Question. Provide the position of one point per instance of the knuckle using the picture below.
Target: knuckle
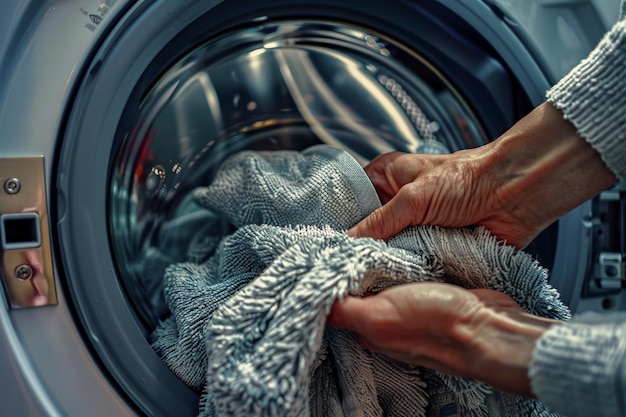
(415, 202)
(377, 224)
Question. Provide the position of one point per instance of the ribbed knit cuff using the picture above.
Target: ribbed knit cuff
(593, 98)
(577, 368)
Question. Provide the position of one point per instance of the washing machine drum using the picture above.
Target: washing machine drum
(280, 85)
(175, 91)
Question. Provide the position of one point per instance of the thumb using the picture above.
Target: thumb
(385, 221)
(344, 314)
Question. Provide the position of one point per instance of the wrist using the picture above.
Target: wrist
(500, 348)
(542, 168)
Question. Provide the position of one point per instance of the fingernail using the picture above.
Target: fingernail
(352, 232)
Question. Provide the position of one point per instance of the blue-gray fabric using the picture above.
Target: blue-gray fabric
(247, 325)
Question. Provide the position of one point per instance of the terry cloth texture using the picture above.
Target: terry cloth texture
(247, 326)
(190, 235)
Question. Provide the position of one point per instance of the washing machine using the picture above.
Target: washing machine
(111, 111)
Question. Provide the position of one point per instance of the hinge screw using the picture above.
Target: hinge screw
(12, 186)
(24, 272)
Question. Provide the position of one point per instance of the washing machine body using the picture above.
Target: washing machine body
(111, 111)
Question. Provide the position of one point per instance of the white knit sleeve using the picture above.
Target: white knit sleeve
(579, 368)
(593, 98)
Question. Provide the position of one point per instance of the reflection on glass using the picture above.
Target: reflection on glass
(282, 85)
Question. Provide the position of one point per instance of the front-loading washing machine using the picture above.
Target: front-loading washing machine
(111, 111)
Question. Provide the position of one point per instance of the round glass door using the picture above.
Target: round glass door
(279, 85)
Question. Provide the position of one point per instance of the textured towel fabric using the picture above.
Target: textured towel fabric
(247, 326)
(191, 235)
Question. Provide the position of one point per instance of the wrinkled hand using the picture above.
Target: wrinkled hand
(481, 334)
(443, 190)
(515, 186)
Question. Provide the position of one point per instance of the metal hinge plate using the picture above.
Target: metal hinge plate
(27, 272)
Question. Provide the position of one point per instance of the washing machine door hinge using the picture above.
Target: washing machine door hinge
(25, 253)
(606, 224)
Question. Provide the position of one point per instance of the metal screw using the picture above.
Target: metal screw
(24, 272)
(12, 186)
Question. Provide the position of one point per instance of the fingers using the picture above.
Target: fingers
(351, 313)
(381, 224)
(401, 323)
(347, 313)
(494, 299)
(389, 172)
(399, 182)
(446, 328)
(398, 168)
(387, 220)
(369, 319)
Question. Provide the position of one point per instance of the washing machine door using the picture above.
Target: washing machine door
(114, 111)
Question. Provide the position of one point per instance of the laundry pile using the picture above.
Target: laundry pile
(247, 325)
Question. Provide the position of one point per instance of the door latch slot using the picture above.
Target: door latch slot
(20, 231)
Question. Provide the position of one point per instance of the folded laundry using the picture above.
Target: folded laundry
(247, 324)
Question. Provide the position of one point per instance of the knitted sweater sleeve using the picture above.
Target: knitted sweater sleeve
(579, 368)
(593, 98)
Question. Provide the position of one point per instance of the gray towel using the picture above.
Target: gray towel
(247, 327)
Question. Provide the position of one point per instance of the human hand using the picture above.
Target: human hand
(515, 186)
(444, 190)
(481, 334)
